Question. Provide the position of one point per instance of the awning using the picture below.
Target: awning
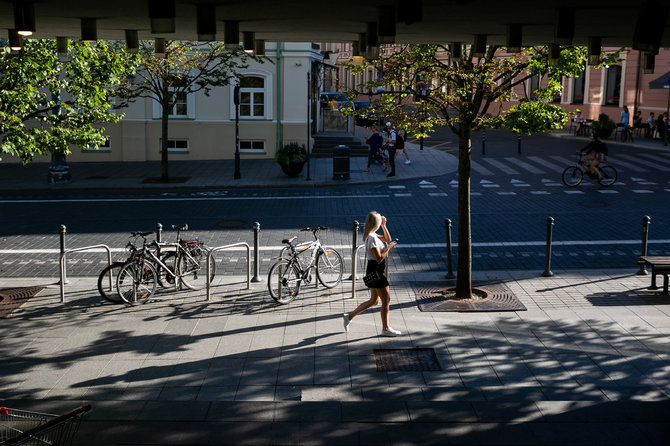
(661, 82)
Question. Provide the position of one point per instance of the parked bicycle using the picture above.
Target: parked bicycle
(573, 175)
(293, 268)
(169, 265)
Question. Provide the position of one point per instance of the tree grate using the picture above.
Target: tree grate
(432, 296)
(13, 298)
(406, 360)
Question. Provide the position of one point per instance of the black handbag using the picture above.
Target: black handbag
(371, 279)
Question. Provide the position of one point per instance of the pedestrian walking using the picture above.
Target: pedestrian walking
(389, 143)
(377, 248)
(375, 142)
(401, 138)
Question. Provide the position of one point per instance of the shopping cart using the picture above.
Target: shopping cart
(23, 427)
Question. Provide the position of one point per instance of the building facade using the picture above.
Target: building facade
(273, 111)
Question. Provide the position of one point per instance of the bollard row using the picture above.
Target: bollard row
(355, 248)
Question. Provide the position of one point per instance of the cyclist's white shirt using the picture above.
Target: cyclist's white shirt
(373, 241)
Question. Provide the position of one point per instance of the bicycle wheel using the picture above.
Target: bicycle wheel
(103, 282)
(609, 175)
(329, 267)
(284, 281)
(136, 282)
(191, 270)
(166, 276)
(572, 176)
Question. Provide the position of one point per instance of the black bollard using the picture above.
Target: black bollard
(547, 263)
(484, 141)
(646, 221)
(518, 144)
(450, 266)
(62, 230)
(159, 233)
(354, 242)
(257, 266)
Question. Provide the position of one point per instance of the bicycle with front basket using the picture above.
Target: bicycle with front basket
(292, 269)
(573, 175)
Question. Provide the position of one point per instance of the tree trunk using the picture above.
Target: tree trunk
(164, 142)
(464, 267)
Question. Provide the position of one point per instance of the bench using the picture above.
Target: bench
(660, 265)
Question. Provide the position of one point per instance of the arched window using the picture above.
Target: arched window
(252, 97)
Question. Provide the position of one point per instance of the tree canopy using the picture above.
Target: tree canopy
(421, 87)
(49, 103)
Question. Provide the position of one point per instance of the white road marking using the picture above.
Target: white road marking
(190, 199)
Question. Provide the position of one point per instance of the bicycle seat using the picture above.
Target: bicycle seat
(183, 227)
(289, 240)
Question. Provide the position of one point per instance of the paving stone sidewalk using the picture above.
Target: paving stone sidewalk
(587, 363)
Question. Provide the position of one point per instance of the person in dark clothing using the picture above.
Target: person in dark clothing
(390, 146)
(660, 126)
(599, 150)
(375, 142)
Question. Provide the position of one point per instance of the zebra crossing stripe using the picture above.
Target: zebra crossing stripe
(479, 168)
(638, 161)
(497, 164)
(565, 162)
(656, 158)
(524, 165)
(547, 164)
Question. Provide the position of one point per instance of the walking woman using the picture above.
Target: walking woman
(377, 248)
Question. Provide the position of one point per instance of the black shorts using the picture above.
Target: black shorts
(381, 269)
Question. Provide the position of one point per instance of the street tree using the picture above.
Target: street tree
(183, 68)
(422, 86)
(49, 103)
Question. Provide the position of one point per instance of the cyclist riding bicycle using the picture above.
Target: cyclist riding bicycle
(599, 150)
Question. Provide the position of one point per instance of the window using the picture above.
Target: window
(578, 88)
(175, 146)
(533, 85)
(252, 97)
(252, 146)
(184, 107)
(180, 108)
(613, 85)
(255, 95)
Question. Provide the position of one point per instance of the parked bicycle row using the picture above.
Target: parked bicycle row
(183, 264)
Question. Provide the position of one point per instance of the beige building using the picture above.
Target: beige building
(273, 109)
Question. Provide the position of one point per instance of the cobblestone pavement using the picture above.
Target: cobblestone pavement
(586, 363)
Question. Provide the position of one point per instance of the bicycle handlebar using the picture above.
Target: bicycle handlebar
(319, 228)
(141, 234)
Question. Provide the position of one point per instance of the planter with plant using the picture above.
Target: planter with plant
(291, 157)
(604, 126)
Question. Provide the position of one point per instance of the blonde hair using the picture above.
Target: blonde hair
(372, 221)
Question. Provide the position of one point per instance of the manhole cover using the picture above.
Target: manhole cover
(230, 224)
(406, 360)
(593, 204)
(13, 298)
(97, 177)
(430, 296)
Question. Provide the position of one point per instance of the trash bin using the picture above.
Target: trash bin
(341, 162)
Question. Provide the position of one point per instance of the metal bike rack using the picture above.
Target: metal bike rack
(220, 248)
(62, 265)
